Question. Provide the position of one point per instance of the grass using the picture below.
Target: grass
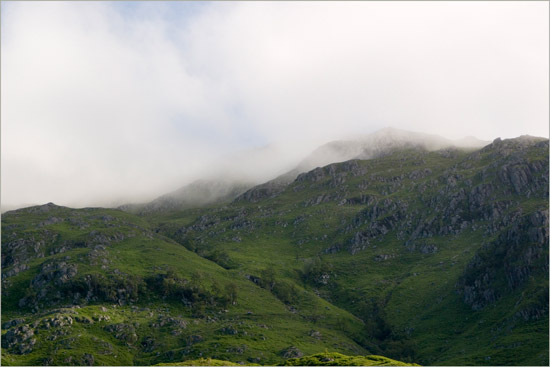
(337, 359)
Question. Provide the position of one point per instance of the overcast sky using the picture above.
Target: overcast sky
(105, 102)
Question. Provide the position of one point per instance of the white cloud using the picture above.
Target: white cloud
(452, 68)
(92, 112)
(98, 104)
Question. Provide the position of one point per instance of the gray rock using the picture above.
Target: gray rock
(12, 323)
(88, 359)
(123, 332)
(315, 334)
(148, 344)
(19, 340)
(229, 330)
(291, 352)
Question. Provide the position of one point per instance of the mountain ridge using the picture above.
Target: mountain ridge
(205, 192)
(428, 257)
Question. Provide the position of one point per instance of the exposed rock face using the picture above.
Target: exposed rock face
(18, 249)
(47, 286)
(337, 173)
(376, 220)
(524, 179)
(267, 190)
(19, 340)
(519, 252)
(55, 272)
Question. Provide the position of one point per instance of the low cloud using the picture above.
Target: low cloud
(106, 103)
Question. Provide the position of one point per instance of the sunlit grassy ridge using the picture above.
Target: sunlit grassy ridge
(319, 359)
(200, 362)
(337, 359)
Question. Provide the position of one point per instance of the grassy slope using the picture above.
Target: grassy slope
(264, 324)
(417, 290)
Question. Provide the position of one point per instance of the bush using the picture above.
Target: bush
(283, 290)
(316, 271)
(221, 258)
(192, 293)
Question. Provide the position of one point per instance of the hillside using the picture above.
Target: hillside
(76, 279)
(433, 257)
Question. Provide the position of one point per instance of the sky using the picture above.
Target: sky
(112, 102)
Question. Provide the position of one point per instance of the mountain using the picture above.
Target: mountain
(377, 144)
(225, 186)
(437, 257)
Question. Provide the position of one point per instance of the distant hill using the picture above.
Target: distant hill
(197, 194)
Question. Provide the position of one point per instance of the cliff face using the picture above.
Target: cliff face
(506, 264)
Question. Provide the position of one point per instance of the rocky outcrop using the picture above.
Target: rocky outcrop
(12, 323)
(55, 272)
(16, 269)
(47, 286)
(174, 323)
(524, 178)
(123, 332)
(508, 262)
(376, 220)
(291, 352)
(19, 340)
(335, 174)
(261, 192)
(56, 322)
(18, 248)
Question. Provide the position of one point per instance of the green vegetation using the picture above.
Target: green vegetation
(320, 359)
(423, 257)
(200, 362)
(337, 359)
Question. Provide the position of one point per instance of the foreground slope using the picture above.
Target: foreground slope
(96, 286)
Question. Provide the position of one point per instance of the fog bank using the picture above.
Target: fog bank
(105, 103)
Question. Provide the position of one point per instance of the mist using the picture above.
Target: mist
(106, 103)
